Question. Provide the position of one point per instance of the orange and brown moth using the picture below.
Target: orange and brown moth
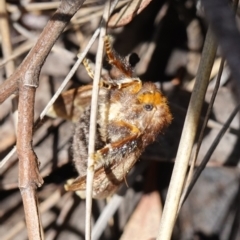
(131, 114)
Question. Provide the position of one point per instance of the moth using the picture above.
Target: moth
(131, 114)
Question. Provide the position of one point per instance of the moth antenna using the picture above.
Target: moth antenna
(88, 68)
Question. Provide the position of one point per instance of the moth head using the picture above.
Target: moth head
(155, 110)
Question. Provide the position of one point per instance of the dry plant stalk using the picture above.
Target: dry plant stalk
(25, 81)
(187, 139)
(93, 121)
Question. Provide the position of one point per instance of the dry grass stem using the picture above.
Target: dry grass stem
(93, 118)
(187, 139)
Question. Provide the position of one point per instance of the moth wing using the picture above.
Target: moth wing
(79, 184)
(76, 184)
(106, 179)
(70, 104)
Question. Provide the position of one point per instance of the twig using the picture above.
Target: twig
(93, 119)
(187, 139)
(29, 177)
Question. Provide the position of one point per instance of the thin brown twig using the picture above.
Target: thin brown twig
(29, 177)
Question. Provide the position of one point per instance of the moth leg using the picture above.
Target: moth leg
(117, 61)
(131, 127)
(109, 84)
(134, 84)
(123, 144)
(99, 156)
(103, 83)
(91, 73)
(89, 70)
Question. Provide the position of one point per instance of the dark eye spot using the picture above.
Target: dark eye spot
(148, 107)
(133, 59)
